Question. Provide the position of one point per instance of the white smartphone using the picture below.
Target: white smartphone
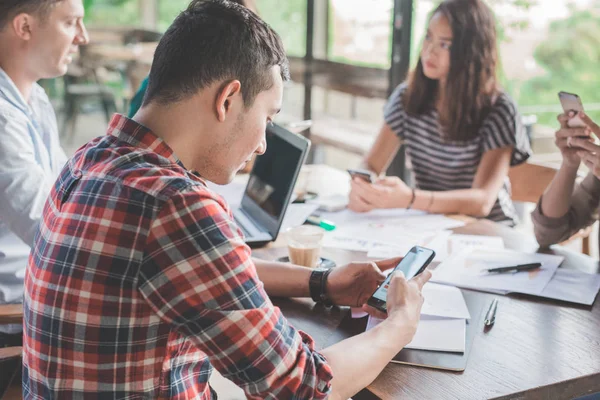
(572, 102)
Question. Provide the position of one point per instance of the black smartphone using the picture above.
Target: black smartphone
(413, 263)
(365, 175)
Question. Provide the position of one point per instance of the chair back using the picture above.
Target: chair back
(11, 314)
(529, 181)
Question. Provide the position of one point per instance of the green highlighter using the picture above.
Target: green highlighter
(323, 223)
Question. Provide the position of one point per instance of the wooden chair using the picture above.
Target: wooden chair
(10, 357)
(529, 181)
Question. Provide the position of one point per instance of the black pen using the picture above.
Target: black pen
(515, 268)
(490, 316)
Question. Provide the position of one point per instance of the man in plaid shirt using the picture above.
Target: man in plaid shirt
(139, 282)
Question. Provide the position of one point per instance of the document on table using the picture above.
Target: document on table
(440, 301)
(444, 301)
(468, 269)
(435, 334)
(296, 215)
(457, 243)
(385, 233)
(573, 286)
(375, 216)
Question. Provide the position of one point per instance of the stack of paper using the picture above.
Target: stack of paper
(443, 320)
(385, 233)
(468, 269)
(444, 243)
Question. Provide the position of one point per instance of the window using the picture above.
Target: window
(360, 32)
(288, 18)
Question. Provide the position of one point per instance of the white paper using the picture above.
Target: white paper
(573, 286)
(348, 243)
(439, 244)
(436, 334)
(457, 243)
(375, 216)
(403, 243)
(444, 301)
(296, 215)
(467, 269)
(440, 301)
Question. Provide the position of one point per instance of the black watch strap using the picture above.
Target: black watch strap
(317, 285)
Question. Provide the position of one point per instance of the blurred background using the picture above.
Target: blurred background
(346, 56)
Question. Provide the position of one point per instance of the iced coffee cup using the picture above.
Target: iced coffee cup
(304, 245)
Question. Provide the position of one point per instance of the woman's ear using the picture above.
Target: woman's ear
(229, 92)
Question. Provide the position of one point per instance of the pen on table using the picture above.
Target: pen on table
(515, 268)
(490, 316)
(323, 223)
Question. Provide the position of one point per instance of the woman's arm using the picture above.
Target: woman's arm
(477, 201)
(391, 192)
(383, 150)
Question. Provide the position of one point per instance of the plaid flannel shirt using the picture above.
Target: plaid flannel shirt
(139, 282)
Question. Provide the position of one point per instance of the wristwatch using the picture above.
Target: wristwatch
(317, 286)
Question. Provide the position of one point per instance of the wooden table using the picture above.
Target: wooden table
(537, 349)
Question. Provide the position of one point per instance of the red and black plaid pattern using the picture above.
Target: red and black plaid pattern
(139, 282)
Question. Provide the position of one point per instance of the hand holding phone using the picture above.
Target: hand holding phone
(365, 175)
(413, 263)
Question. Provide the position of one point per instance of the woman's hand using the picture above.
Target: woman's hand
(566, 138)
(584, 147)
(386, 192)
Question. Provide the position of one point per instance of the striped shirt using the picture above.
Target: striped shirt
(441, 165)
(140, 282)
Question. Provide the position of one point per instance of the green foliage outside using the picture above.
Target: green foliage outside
(112, 12)
(570, 57)
(288, 18)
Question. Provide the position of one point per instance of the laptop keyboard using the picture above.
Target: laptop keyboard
(245, 224)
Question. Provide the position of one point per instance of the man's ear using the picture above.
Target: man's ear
(229, 92)
(22, 24)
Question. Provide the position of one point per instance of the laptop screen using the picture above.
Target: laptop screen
(273, 177)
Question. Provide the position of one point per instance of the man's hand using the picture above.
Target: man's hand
(404, 302)
(353, 284)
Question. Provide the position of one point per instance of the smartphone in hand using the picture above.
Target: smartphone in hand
(413, 263)
(572, 102)
(365, 175)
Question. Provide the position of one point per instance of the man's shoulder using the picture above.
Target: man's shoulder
(144, 171)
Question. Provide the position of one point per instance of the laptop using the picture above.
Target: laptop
(270, 186)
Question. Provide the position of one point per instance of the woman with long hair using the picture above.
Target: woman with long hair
(461, 131)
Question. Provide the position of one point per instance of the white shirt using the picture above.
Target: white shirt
(30, 160)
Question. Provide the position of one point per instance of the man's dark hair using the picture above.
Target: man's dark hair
(11, 8)
(215, 40)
